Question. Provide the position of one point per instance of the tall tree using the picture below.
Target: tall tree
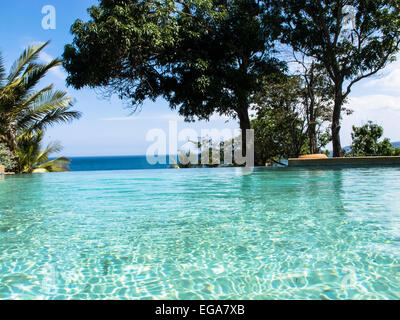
(203, 57)
(229, 64)
(23, 109)
(352, 39)
(317, 99)
(281, 124)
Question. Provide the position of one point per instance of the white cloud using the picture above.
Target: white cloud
(383, 109)
(376, 99)
(374, 102)
(388, 79)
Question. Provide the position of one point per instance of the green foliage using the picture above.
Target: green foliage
(204, 57)
(317, 92)
(31, 156)
(385, 148)
(284, 118)
(22, 108)
(207, 57)
(124, 42)
(366, 142)
(24, 111)
(7, 159)
(279, 128)
(318, 29)
(214, 152)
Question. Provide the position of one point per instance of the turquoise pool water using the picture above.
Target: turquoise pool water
(201, 234)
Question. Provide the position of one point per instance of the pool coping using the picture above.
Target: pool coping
(345, 161)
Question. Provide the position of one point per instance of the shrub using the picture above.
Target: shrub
(7, 159)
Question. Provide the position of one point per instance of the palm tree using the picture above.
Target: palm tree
(32, 158)
(24, 110)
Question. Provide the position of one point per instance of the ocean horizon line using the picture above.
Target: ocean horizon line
(112, 156)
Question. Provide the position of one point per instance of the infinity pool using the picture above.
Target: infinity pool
(201, 234)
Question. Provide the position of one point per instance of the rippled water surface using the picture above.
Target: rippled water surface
(201, 234)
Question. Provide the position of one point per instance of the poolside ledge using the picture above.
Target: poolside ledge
(348, 161)
(3, 171)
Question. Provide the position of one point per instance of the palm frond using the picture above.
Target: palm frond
(30, 140)
(35, 72)
(56, 116)
(43, 155)
(57, 165)
(38, 105)
(54, 147)
(31, 157)
(2, 73)
(30, 54)
(47, 109)
(33, 98)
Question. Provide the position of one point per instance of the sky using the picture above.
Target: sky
(107, 126)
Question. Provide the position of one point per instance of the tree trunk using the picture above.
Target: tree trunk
(244, 122)
(313, 139)
(337, 109)
(312, 134)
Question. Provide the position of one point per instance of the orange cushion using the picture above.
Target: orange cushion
(314, 156)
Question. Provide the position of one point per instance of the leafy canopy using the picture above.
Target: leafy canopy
(202, 56)
(280, 125)
(352, 39)
(366, 142)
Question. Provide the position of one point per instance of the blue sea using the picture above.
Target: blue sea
(113, 163)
